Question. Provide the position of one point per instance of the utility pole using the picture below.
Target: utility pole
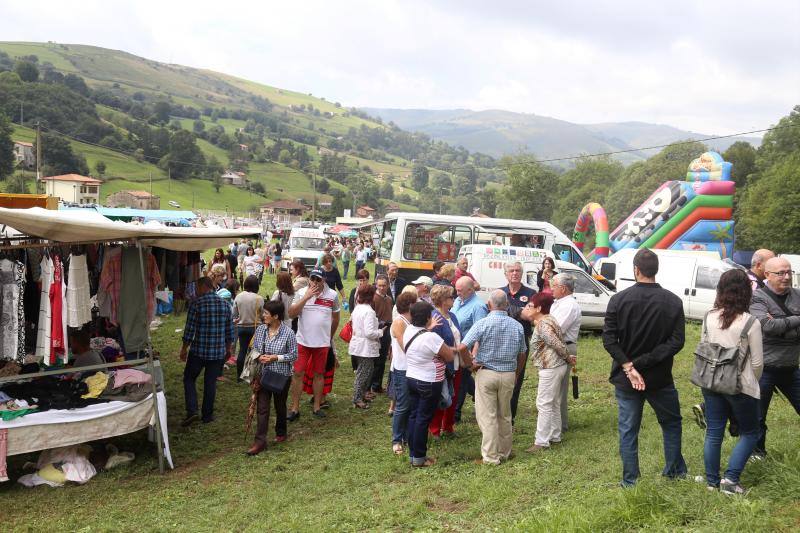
(151, 184)
(192, 199)
(314, 202)
(169, 179)
(21, 113)
(38, 156)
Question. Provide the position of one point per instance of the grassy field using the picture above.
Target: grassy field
(339, 473)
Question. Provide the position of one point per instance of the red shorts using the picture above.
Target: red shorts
(316, 357)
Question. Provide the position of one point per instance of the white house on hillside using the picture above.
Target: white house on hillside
(234, 178)
(73, 188)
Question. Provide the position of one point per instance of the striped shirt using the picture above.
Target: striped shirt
(284, 345)
(501, 340)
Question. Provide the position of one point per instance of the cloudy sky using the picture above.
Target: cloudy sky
(711, 66)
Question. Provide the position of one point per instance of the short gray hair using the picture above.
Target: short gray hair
(565, 280)
(498, 299)
(760, 256)
(507, 266)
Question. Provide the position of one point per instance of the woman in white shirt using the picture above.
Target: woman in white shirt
(365, 344)
(725, 324)
(399, 389)
(253, 263)
(426, 356)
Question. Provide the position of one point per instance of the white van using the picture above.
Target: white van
(305, 244)
(794, 260)
(486, 264)
(692, 276)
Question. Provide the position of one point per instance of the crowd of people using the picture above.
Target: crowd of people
(442, 344)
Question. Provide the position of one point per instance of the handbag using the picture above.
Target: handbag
(273, 381)
(346, 334)
(718, 368)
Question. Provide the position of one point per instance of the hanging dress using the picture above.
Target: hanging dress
(12, 307)
(45, 315)
(79, 306)
(58, 332)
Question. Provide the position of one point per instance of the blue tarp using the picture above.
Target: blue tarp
(163, 215)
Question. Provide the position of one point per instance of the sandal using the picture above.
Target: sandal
(397, 448)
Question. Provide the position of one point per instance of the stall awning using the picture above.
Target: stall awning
(122, 213)
(90, 226)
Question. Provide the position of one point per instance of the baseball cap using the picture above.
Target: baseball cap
(316, 273)
(423, 280)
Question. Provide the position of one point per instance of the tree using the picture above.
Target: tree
(27, 71)
(339, 202)
(58, 157)
(529, 192)
(441, 181)
(387, 190)
(198, 127)
(587, 182)
(77, 84)
(323, 185)
(257, 188)
(184, 158)
(6, 148)
(100, 167)
(470, 175)
(742, 156)
(419, 177)
(488, 199)
(161, 111)
(17, 185)
(213, 171)
(285, 156)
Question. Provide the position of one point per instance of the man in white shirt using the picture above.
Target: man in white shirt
(567, 313)
(318, 308)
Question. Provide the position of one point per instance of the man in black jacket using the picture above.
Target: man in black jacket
(396, 284)
(644, 329)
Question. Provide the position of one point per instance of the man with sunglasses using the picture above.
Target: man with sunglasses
(777, 306)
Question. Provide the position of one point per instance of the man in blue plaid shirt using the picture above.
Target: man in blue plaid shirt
(501, 354)
(207, 342)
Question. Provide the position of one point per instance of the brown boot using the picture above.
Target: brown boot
(256, 448)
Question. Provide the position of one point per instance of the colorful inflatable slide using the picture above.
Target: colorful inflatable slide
(696, 214)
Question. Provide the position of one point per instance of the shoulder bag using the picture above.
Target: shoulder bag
(717, 368)
(346, 333)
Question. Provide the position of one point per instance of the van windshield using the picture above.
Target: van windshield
(307, 243)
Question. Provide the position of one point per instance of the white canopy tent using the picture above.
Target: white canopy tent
(87, 225)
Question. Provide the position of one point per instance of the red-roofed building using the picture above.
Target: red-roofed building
(365, 211)
(23, 154)
(73, 188)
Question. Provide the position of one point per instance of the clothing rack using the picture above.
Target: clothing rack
(148, 359)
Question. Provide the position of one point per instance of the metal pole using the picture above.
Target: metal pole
(151, 367)
(38, 156)
(314, 204)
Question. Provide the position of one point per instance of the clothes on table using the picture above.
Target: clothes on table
(130, 375)
(96, 383)
(79, 307)
(88, 358)
(12, 307)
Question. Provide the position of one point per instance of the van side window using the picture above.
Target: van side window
(387, 239)
(707, 277)
(582, 283)
(566, 253)
(435, 242)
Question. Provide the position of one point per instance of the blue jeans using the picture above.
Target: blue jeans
(400, 416)
(668, 412)
(467, 387)
(718, 408)
(785, 379)
(345, 268)
(423, 399)
(213, 369)
(245, 334)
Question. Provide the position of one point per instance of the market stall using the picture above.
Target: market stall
(74, 284)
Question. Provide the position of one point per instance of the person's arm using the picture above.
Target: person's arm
(300, 301)
(371, 329)
(469, 340)
(481, 311)
(189, 330)
(611, 334)
(338, 282)
(236, 309)
(229, 336)
(668, 349)
(755, 340)
(760, 308)
(334, 322)
(291, 350)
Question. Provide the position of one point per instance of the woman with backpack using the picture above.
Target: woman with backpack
(729, 325)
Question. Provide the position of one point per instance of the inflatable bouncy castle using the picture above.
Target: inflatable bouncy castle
(695, 214)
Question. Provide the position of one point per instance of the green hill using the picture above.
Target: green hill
(125, 90)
